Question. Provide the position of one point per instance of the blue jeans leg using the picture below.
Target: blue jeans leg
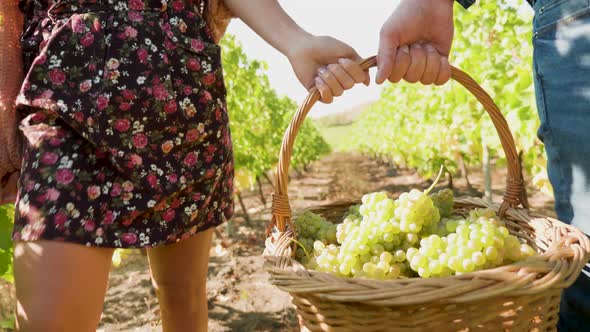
(562, 83)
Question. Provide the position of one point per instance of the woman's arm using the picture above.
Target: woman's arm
(311, 56)
(11, 76)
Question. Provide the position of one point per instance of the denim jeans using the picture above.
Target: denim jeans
(561, 41)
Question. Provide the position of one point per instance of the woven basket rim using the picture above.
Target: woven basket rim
(565, 251)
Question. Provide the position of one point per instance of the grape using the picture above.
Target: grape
(388, 239)
(444, 200)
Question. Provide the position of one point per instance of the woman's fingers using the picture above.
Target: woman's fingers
(331, 81)
(355, 71)
(324, 89)
(342, 76)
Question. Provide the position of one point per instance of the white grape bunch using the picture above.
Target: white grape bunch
(311, 227)
(415, 235)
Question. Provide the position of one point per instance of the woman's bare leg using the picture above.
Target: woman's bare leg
(179, 274)
(59, 286)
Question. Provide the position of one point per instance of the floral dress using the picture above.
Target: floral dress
(126, 131)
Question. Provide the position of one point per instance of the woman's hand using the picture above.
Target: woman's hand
(310, 56)
(328, 64)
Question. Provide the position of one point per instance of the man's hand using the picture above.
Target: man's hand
(416, 41)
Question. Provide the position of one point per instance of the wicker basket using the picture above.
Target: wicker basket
(523, 296)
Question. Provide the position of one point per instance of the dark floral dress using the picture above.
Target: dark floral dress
(126, 131)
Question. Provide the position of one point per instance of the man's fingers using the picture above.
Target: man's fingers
(385, 58)
(444, 73)
(432, 65)
(418, 64)
(402, 63)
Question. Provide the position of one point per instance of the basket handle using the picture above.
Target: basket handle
(513, 196)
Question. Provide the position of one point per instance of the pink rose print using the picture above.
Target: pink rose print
(205, 97)
(49, 158)
(79, 117)
(170, 107)
(211, 148)
(140, 140)
(169, 215)
(78, 25)
(85, 86)
(52, 194)
(57, 76)
(93, 192)
(178, 5)
(152, 180)
(209, 79)
(142, 55)
(135, 16)
(193, 65)
(116, 190)
(60, 219)
(172, 178)
(87, 39)
(125, 106)
(129, 238)
(89, 225)
(96, 26)
(192, 135)
(109, 218)
(136, 5)
(102, 102)
(190, 159)
(122, 125)
(136, 160)
(130, 32)
(99, 232)
(187, 90)
(64, 176)
(128, 94)
(197, 45)
(160, 92)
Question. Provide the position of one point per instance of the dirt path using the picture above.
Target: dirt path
(239, 296)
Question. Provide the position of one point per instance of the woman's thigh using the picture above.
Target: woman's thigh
(60, 286)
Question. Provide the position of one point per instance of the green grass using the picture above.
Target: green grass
(340, 138)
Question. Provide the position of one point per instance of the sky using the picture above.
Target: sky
(354, 22)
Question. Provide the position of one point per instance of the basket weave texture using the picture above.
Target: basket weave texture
(523, 296)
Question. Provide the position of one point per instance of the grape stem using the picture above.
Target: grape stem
(440, 172)
(302, 247)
